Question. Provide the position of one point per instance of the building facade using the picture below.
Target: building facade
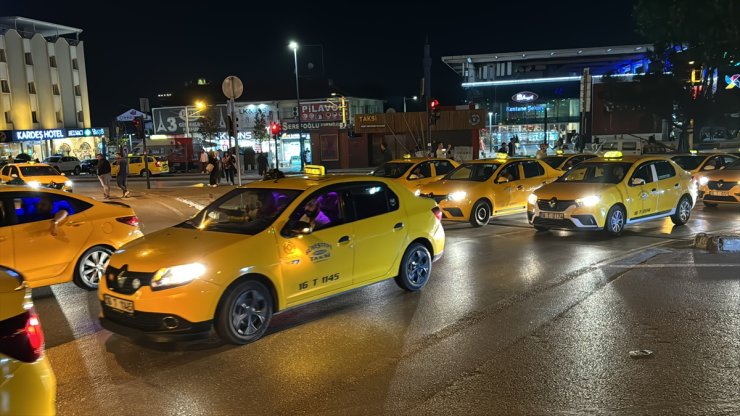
(43, 89)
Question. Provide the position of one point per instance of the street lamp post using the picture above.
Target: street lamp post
(199, 106)
(415, 98)
(293, 45)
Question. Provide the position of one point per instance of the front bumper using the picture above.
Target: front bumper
(153, 326)
(572, 217)
(714, 196)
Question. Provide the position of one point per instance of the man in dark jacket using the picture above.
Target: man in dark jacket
(122, 177)
(103, 171)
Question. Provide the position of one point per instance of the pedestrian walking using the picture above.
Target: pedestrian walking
(261, 163)
(385, 152)
(249, 159)
(441, 151)
(122, 177)
(103, 171)
(503, 148)
(213, 170)
(203, 161)
(229, 167)
(512, 147)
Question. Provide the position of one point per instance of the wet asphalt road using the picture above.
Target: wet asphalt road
(512, 322)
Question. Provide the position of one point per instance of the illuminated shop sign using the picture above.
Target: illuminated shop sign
(85, 132)
(525, 108)
(732, 81)
(524, 97)
(38, 134)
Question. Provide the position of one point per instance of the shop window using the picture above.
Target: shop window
(2, 56)
(74, 64)
(55, 89)
(80, 117)
(34, 117)
(78, 90)
(53, 61)
(29, 58)
(31, 88)
(4, 85)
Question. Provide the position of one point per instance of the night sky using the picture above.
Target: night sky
(138, 49)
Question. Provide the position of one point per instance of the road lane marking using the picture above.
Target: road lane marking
(661, 265)
(190, 203)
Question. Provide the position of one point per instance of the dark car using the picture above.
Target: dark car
(89, 166)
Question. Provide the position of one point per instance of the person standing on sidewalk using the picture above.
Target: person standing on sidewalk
(103, 171)
(203, 161)
(214, 174)
(122, 177)
(228, 166)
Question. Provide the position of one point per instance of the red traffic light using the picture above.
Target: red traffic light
(275, 128)
(433, 104)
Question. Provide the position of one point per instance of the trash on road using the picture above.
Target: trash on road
(641, 353)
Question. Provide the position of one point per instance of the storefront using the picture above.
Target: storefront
(40, 144)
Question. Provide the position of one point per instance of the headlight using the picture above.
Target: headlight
(457, 196)
(68, 184)
(703, 180)
(588, 201)
(532, 199)
(177, 275)
(417, 192)
(34, 184)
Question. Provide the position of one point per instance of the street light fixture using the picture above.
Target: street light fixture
(293, 45)
(343, 107)
(415, 98)
(200, 105)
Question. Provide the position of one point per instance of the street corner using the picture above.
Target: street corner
(718, 243)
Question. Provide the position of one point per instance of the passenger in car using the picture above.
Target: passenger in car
(313, 216)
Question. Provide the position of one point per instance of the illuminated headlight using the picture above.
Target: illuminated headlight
(177, 275)
(457, 196)
(588, 201)
(68, 184)
(34, 184)
(703, 180)
(532, 199)
(417, 192)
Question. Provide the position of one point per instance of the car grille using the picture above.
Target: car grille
(715, 185)
(546, 222)
(54, 185)
(436, 198)
(122, 281)
(544, 205)
(720, 198)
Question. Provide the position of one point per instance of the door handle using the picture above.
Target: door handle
(74, 223)
(343, 240)
(520, 187)
(398, 226)
(675, 185)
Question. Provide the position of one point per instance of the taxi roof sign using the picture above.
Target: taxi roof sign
(613, 154)
(502, 155)
(315, 170)
(559, 152)
(694, 152)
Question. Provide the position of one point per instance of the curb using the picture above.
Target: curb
(718, 243)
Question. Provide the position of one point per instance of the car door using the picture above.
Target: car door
(7, 218)
(534, 178)
(380, 226)
(321, 261)
(421, 174)
(668, 185)
(38, 254)
(642, 192)
(508, 193)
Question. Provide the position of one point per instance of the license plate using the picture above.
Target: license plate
(122, 305)
(719, 193)
(552, 215)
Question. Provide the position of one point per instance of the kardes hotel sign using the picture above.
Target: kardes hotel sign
(38, 134)
(524, 97)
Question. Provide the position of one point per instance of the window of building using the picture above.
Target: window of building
(59, 117)
(31, 88)
(29, 58)
(53, 61)
(34, 117)
(78, 90)
(4, 85)
(7, 117)
(74, 64)
(2, 56)
(80, 117)
(55, 89)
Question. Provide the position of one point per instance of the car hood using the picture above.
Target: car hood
(444, 186)
(46, 179)
(725, 175)
(571, 190)
(174, 246)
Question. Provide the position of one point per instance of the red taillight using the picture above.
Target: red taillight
(437, 213)
(21, 337)
(132, 220)
(158, 164)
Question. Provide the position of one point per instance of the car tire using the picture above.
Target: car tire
(480, 214)
(244, 313)
(76, 171)
(143, 173)
(683, 211)
(709, 204)
(91, 266)
(616, 218)
(416, 267)
(541, 228)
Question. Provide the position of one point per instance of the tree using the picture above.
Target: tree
(694, 42)
(259, 132)
(209, 126)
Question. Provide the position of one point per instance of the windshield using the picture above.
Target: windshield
(733, 166)
(554, 161)
(52, 159)
(243, 211)
(688, 162)
(38, 171)
(392, 169)
(597, 172)
(473, 172)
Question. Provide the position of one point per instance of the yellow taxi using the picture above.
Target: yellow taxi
(696, 162)
(27, 382)
(35, 175)
(266, 247)
(136, 166)
(479, 189)
(565, 161)
(53, 237)
(720, 186)
(412, 173)
(608, 193)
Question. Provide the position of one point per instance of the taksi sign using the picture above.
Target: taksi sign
(524, 97)
(321, 111)
(38, 134)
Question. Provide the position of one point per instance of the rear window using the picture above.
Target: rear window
(392, 169)
(372, 200)
(553, 161)
(688, 162)
(38, 171)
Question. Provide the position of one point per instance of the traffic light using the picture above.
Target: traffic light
(433, 111)
(275, 129)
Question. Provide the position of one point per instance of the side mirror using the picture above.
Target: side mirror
(708, 167)
(299, 228)
(638, 181)
(14, 176)
(502, 179)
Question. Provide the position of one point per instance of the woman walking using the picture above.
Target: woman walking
(214, 174)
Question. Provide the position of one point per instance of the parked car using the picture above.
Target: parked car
(68, 164)
(35, 175)
(89, 166)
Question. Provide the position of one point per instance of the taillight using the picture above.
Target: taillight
(158, 164)
(437, 213)
(21, 337)
(132, 220)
